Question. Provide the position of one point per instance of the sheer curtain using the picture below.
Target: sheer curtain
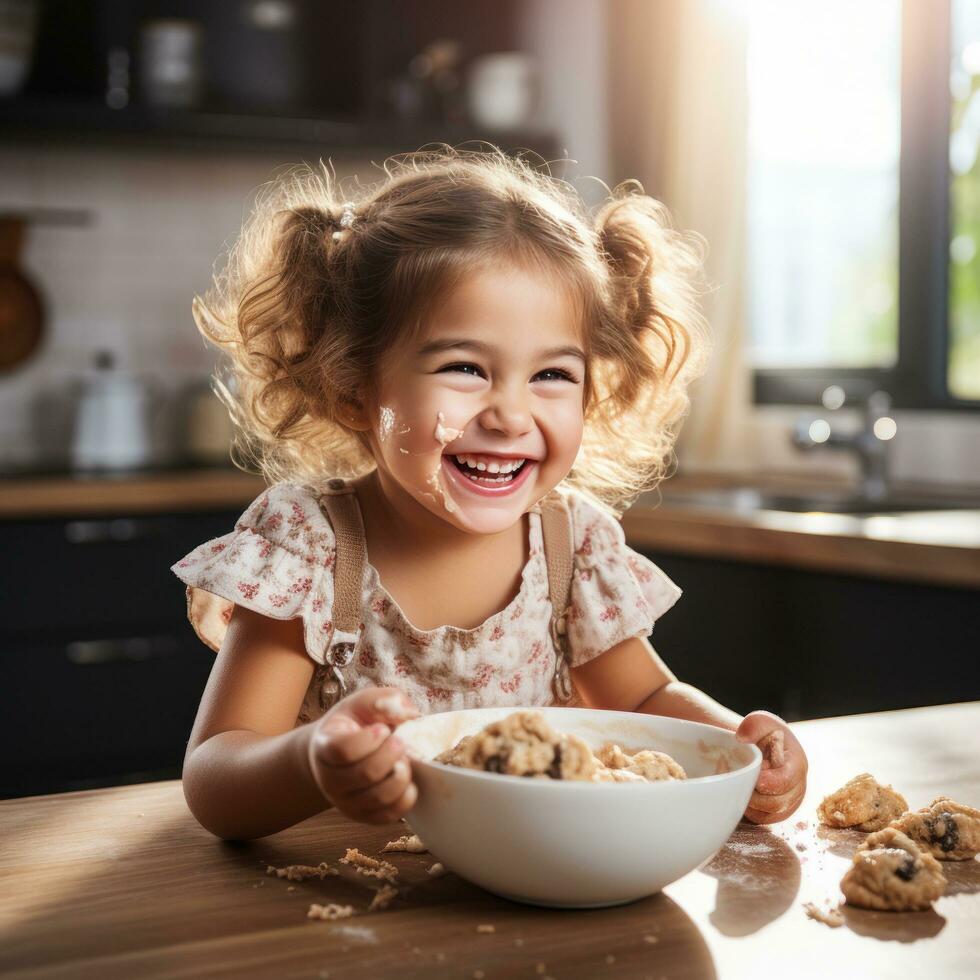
(678, 122)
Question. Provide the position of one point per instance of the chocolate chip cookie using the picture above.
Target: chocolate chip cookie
(946, 829)
(891, 874)
(862, 803)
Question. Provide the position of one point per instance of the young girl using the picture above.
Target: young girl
(452, 382)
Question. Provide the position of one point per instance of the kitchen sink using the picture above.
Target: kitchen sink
(743, 499)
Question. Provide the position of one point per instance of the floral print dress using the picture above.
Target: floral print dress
(279, 561)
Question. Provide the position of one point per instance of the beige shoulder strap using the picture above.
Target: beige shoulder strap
(556, 530)
(344, 515)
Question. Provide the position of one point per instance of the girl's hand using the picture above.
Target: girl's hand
(359, 765)
(782, 780)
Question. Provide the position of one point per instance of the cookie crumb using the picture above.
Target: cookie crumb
(486, 927)
(540, 969)
(801, 847)
(478, 975)
(830, 917)
(410, 843)
(801, 824)
(441, 957)
(300, 872)
(291, 888)
(610, 959)
(518, 941)
(330, 912)
(383, 897)
(434, 870)
(651, 939)
(416, 950)
(369, 866)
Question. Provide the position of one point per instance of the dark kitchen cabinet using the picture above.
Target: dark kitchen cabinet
(812, 644)
(317, 79)
(100, 669)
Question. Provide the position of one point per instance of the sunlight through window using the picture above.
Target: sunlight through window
(824, 144)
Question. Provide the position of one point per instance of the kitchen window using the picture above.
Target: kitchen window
(864, 200)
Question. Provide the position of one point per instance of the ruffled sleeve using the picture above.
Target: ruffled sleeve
(278, 561)
(616, 592)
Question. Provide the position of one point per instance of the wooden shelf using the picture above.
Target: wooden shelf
(39, 120)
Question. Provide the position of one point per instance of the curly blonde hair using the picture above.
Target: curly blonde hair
(307, 303)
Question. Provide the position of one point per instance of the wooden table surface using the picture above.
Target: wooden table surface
(123, 883)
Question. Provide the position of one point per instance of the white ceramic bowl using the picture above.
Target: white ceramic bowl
(573, 844)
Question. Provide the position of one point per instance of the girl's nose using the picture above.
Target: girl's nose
(507, 413)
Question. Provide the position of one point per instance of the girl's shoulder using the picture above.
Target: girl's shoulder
(278, 560)
(617, 592)
(291, 515)
(596, 532)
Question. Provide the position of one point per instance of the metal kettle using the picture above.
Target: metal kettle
(113, 420)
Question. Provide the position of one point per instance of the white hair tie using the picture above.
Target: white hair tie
(346, 219)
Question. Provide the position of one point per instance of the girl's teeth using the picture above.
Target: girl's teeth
(493, 467)
(506, 470)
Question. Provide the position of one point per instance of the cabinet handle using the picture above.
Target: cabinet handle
(130, 649)
(117, 529)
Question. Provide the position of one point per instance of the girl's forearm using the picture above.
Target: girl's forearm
(678, 700)
(241, 785)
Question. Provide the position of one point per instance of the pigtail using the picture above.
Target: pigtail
(281, 310)
(656, 276)
(649, 345)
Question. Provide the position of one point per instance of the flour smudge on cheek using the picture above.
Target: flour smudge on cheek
(444, 434)
(387, 426)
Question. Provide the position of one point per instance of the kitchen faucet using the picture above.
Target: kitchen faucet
(870, 443)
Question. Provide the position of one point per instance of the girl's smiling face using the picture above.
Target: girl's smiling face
(481, 415)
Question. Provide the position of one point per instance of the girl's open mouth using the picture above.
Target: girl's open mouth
(493, 478)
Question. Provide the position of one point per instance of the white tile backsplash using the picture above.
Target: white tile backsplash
(157, 222)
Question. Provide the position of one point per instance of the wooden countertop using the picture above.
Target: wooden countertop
(940, 548)
(163, 492)
(933, 548)
(123, 883)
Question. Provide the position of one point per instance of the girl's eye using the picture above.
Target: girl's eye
(556, 374)
(548, 374)
(463, 369)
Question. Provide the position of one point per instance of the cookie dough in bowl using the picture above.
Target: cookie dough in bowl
(576, 842)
